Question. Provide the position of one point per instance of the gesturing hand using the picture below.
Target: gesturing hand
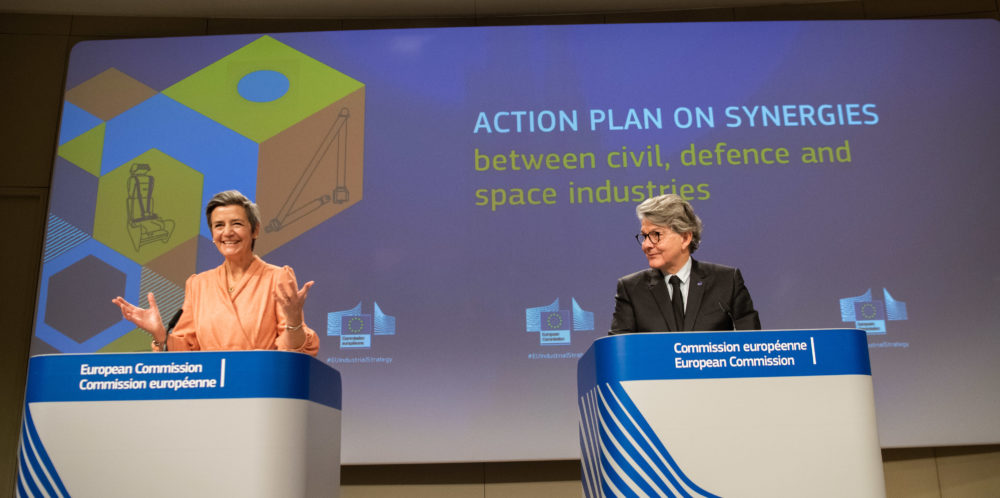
(290, 297)
(146, 319)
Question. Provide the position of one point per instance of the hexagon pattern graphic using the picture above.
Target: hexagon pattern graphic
(77, 306)
(226, 159)
(109, 94)
(65, 293)
(268, 120)
(85, 150)
(74, 122)
(72, 195)
(178, 264)
(148, 206)
(60, 237)
(221, 90)
(312, 170)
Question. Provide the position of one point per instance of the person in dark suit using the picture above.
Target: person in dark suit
(677, 293)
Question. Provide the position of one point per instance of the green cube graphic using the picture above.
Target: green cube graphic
(213, 91)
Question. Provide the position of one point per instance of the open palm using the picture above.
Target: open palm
(147, 319)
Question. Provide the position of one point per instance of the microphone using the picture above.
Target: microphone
(726, 310)
(173, 321)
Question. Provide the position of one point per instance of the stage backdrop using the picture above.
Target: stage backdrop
(464, 199)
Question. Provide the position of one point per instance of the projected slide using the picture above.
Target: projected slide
(464, 199)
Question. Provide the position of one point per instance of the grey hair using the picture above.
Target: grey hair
(673, 212)
(234, 198)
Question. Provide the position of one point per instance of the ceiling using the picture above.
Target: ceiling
(346, 9)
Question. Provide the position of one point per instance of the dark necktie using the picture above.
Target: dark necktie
(677, 301)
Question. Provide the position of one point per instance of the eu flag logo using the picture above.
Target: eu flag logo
(355, 324)
(554, 325)
(556, 320)
(870, 316)
(870, 310)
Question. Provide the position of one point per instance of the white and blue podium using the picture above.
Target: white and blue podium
(241, 423)
(730, 414)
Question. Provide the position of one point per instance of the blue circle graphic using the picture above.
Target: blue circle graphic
(263, 86)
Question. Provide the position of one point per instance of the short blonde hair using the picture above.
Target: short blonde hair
(234, 198)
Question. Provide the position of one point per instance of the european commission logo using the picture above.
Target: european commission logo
(869, 314)
(356, 329)
(554, 325)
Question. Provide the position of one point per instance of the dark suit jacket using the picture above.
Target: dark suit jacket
(642, 303)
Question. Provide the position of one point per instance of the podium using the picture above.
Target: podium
(239, 423)
(732, 414)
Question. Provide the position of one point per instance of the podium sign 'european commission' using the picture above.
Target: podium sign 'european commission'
(247, 423)
(768, 414)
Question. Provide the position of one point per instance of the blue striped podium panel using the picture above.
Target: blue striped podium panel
(241, 423)
(785, 413)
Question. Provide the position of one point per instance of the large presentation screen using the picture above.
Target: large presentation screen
(465, 201)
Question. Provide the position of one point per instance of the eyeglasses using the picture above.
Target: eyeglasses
(654, 237)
